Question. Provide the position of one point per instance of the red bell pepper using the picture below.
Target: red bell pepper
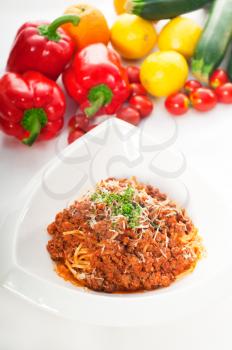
(31, 107)
(97, 80)
(42, 47)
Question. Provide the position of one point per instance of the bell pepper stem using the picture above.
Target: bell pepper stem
(33, 121)
(98, 97)
(34, 132)
(50, 30)
(95, 106)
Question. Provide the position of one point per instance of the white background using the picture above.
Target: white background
(207, 144)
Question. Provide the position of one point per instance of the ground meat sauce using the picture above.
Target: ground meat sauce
(124, 237)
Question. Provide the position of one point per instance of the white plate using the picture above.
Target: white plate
(114, 148)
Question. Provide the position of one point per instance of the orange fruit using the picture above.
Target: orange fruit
(119, 6)
(93, 27)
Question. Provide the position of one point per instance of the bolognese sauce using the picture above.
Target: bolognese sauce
(123, 237)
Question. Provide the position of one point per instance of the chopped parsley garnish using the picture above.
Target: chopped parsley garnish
(120, 204)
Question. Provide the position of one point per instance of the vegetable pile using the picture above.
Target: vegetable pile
(32, 103)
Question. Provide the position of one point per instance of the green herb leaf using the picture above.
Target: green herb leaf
(120, 204)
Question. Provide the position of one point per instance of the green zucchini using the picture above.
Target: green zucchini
(214, 41)
(229, 69)
(163, 9)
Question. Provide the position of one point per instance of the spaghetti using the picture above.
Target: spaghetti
(124, 236)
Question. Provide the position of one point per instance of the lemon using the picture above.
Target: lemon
(180, 34)
(132, 36)
(164, 72)
(119, 6)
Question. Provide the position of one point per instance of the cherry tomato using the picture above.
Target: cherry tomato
(224, 93)
(79, 121)
(218, 78)
(137, 89)
(74, 135)
(203, 99)
(129, 114)
(133, 74)
(143, 105)
(191, 85)
(177, 104)
(72, 122)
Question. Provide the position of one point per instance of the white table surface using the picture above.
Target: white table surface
(206, 142)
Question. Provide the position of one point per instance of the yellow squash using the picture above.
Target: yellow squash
(132, 36)
(180, 34)
(163, 73)
(119, 6)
